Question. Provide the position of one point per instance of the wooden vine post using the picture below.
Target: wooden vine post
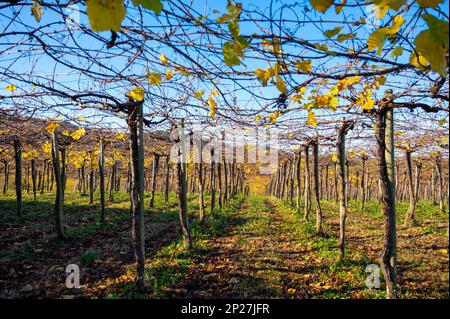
(101, 166)
(59, 199)
(341, 176)
(155, 168)
(298, 170)
(385, 154)
(315, 151)
(409, 217)
(213, 182)
(307, 203)
(18, 175)
(136, 138)
(182, 187)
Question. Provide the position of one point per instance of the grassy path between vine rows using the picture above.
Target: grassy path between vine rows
(267, 250)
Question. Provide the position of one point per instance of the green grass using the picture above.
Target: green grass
(167, 266)
(348, 276)
(89, 258)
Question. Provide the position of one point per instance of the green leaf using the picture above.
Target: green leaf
(331, 33)
(376, 38)
(199, 94)
(105, 15)
(281, 85)
(321, 5)
(397, 52)
(224, 18)
(155, 5)
(232, 51)
(322, 47)
(429, 3)
(342, 37)
(433, 43)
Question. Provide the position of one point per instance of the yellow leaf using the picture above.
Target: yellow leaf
(263, 75)
(382, 6)
(368, 105)
(348, 82)
(105, 15)
(333, 103)
(272, 46)
(418, 61)
(334, 158)
(169, 74)
(120, 136)
(232, 51)
(182, 70)
(291, 291)
(137, 93)
(37, 11)
(212, 106)
(304, 66)
(199, 94)
(311, 119)
(154, 78)
(78, 134)
(273, 117)
(51, 128)
(214, 92)
(296, 98)
(365, 99)
(163, 59)
(47, 147)
(11, 88)
(334, 91)
(396, 25)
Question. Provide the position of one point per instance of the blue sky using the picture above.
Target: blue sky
(45, 64)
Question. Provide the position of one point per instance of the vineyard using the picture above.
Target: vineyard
(210, 149)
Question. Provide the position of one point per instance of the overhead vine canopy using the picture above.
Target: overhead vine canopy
(227, 59)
